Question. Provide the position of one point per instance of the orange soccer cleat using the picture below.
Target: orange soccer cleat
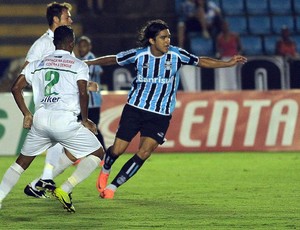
(107, 194)
(102, 181)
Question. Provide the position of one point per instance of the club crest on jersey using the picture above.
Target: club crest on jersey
(146, 66)
(168, 65)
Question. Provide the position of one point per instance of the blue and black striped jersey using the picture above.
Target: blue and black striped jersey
(156, 82)
(95, 71)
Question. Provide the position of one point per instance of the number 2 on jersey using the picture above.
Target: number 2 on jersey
(53, 77)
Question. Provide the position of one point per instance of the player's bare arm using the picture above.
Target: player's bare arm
(84, 101)
(17, 91)
(103, 61)
(208, 62)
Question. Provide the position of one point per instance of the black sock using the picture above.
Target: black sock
(128, 170)
(109, 159)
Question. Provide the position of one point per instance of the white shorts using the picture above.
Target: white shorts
(52, 127)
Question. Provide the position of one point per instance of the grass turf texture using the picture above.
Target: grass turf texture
(171, 191)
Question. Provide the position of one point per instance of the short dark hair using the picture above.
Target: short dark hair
(150, 30)
(56, 9)
(63, 35)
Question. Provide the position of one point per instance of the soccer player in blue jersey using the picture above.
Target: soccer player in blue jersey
(151, 99)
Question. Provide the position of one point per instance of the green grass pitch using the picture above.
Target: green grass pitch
(171, 191)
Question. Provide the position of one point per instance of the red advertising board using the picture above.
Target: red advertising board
(221, 121)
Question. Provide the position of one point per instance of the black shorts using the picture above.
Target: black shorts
(134, 120)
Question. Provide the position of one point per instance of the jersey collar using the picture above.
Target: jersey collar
(60, 52)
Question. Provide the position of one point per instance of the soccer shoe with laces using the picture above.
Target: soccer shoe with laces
(107, 194)
(102, 181)
(29, 191)
(65, 199)
(43, 185)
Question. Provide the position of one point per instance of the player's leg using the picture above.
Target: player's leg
(52, 160)
(86, 146)
(111, 156)
(13, 173)
(38, 185)
(34, 145)
(153, 129)
(49, 121)
(131, 167)
(84, 168)
(129, 126)
(65, 160)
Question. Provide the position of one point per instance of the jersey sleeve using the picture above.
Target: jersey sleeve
(83, 72)
(126, 57)
(188, 58)
(40, 49)
(28, 72)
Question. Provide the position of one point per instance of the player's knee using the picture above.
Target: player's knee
(144, 154)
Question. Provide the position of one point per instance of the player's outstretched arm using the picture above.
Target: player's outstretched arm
(103, 61)
(207, 62)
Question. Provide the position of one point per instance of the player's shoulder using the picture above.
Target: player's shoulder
(79, 63)
(128, 52)
(34, 64)
(175, 50)
(44, 40)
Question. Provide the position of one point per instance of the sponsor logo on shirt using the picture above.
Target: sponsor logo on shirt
(50, 99)
(154, 80)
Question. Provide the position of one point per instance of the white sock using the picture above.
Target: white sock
(48, 172)
(52, 160)
(111, 187)
(10, 178)
(53, 154)
(85, 167)
(64, 162)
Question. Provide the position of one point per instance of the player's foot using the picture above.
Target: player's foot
(102, 181)
(43, 185)
(65, 199)
(29, 191)
(107, 194)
